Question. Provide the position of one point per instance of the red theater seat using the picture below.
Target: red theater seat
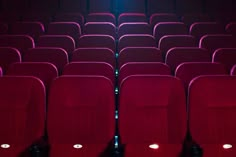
(169, 28)
(33, 29)
(152, 116)
(35, 16)
(162, 17)
(56, 56)
(46, 72)
(170, 41)
(188, 71)
(178, 55)
(140, 68)
(71, 29)
(8, 55)
(131, 17)
(139, 54)
(199, 29)
(1, 73)
(97, 40)
(101, 17)
(20, 42)
(212, 110)
(22, 114)
(57, 41)
(213, 42)
(81, 119)
(134, 28)
(90, 68)
(136, 40)
(94, 55)
(105, 28)
(70, 17)
(226, 56)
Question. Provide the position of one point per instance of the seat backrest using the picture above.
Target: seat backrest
(101, 17)
(46, 72)
(56, 56)
(226, 56)
(169, 41)
(8, 55)
(131, 17)
(94, 55)
(142, 68)
(22, 113)
(57, 41)
(33, 29)
(134, 28)
(90, 68)
(71, 29)
(70, 17)
(162, 17)
(212, 108)
(233, 70)
(84, 108)
(20, 42)
(139, 54)
(178, 55)
(105, 28)
(97, 40)
(199, 29)
(188, 71)
(136, 40)
(213, 42)
(169, 28)
(1, 73)
(150, 105)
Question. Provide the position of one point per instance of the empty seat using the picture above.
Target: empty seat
(199, 29)
(231, 28)
(81, 119)
(131, 17)
(213, 42)
(8, 55)
(22, 114)
(43, 17)
(70, 17)
(141, 68)
(212, 108)
(90, 68)
(46, 72)
(178, 55)
(136, 40)
(152, 115)
(105, 28)
(33, 29)
(101, 17)
(56, 56)
(57, 41)
(139, 54)
(233, 70)
(160, 6)
(226, 56)
(134, 28)
(96, 40)
(71, 29)
(20, 42)
(189, 19)
(162, 17)
(169, 28)
(188, 71)
(169, 41)
(94, 55)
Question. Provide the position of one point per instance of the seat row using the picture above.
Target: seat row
(80, 118)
